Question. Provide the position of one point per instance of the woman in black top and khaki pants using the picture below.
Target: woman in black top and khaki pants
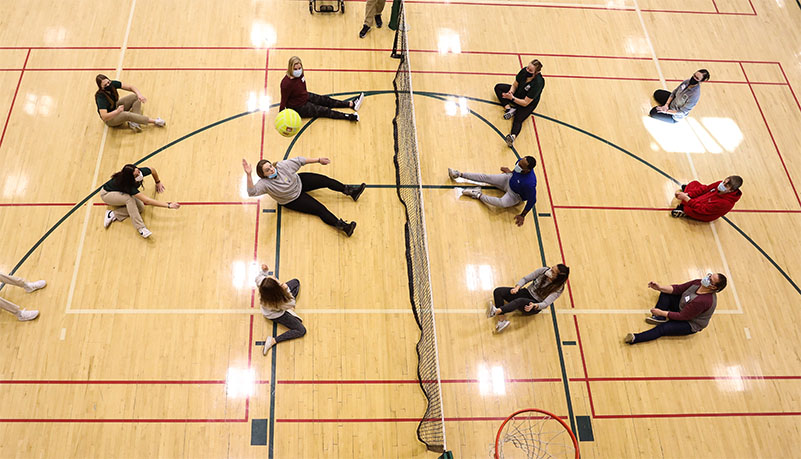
(115, 111)
(520, 98)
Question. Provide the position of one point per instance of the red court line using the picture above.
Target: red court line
(660, 209)
(203, 203)
(689, 378)
(59, 47)
(358, 420)
(790, 86)
(119, 421)
(775, 145)
(11, 108)
(716, 6)
(696, 415)
(112, 381)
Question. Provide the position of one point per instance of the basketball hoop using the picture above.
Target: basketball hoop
(533, 433)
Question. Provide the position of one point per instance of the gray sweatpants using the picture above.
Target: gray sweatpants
(499, 181)
(17, 282)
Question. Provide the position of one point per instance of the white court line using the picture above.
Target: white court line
(301, 311)
(79, 255)
(725, 262)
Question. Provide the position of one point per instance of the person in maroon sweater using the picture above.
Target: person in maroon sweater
(708, 202)
(682, 309)
(309, 105)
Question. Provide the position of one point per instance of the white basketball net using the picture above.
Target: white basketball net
(532, 434)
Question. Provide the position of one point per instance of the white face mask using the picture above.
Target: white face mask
(297, 73)
(518, 169)
(707, 281)
(139, 178)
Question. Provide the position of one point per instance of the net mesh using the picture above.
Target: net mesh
(407, 172)
(535, 435)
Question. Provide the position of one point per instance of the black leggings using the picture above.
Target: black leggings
(320, 106)
(307, 204)
(666, 302)
(521, 113)
(289, 320)
(515, 302)
(661, 96)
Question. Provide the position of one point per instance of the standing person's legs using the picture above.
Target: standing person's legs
(326, 101)
(312, 181)
(125, 206)
(308, 205)
(293, 323)
(370, 10)
(670, 328)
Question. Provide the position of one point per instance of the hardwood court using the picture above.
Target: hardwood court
(150, 348)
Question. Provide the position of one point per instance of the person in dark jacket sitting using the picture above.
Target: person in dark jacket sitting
(682, 309)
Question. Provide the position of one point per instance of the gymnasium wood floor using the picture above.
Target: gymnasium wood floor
(149, 348)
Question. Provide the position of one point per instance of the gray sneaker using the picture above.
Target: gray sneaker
(454, 174)
(134, 126)
(510, 139)
(509, 113)
(474, 193)
(501, 326)
(491, 310)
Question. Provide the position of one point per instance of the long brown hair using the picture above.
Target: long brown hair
(272, 294)
(553, 285)
(112, 96)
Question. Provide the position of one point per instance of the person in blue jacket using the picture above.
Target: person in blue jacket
(518, 184)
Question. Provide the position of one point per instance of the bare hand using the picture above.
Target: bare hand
(246, 167)
(508, 95)
(653, 285)
(529, 307)
(141, 98)
(265, 268)
(683, 196)
(173, 205)
(519, 220)
(506, 170)
(659, 312)
(325, 161)
(514, 290)
(160, 188)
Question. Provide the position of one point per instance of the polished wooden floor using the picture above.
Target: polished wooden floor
(148, 348)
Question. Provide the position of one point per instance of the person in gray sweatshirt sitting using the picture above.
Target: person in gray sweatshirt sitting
(291, 190)
(545, 286)
(675, 106)
(277, 300)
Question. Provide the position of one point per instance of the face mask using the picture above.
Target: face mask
(273, 175)
(297, 73)
(707, 281)
(549, 274)
(518, 169)
(139, 178)
(722, 188)
(109, 88)
(693, 81)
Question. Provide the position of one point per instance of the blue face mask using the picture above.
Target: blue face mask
(273, 175)
(722, 188)
(297, 73)
(707, 281)
(518, 169)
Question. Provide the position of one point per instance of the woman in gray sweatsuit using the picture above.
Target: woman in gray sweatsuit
(545, 286)
(277, 300)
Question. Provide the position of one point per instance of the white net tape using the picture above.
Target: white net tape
(532, 434)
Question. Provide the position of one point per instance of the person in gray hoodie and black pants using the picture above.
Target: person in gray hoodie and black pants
(546, 284)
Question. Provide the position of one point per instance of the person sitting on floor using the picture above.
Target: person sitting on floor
(708, 202)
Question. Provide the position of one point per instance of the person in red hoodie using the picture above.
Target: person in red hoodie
(708, 202)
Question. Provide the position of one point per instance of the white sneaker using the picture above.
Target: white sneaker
(109, 218)
(145, 233)
(134, 126)
(501, 326)
(34, 286)
(454, 174)
(268, 343)
(358, 102)
(491, 310)
(26, 315)
(474, 193)
(160, 122)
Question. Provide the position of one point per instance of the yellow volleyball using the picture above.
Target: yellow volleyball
(288, 122)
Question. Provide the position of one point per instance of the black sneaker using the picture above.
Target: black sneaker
(349, 228)
(683, 187)
(656, 320)
(364, 31)
(354, 191)
(508, 114)
(677, 213)
(378, 21)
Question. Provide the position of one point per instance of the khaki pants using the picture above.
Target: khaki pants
(125, 206)
(132, 112)
(17, 282)
(371, 9)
